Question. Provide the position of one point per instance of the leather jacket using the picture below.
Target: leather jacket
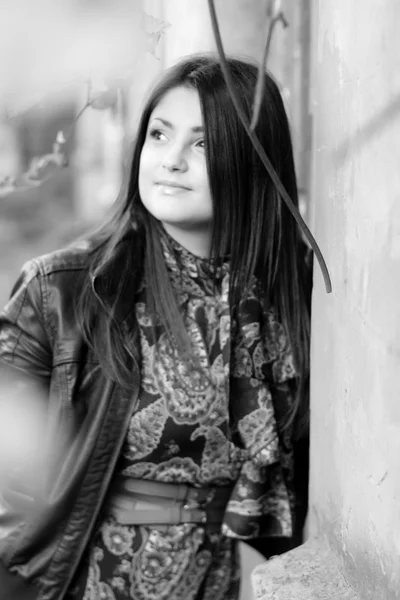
(50, 504)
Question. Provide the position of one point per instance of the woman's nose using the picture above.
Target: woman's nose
(174, 159)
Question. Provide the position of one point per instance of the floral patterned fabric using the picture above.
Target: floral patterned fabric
(215, 425)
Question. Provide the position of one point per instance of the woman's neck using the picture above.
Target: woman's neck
(197, 242)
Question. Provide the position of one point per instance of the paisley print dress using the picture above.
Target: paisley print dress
(216, 425)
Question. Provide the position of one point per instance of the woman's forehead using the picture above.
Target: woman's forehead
(179, 107)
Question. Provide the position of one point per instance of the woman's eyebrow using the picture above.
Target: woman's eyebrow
(197, 129)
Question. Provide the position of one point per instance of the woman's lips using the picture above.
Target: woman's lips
(171, 188)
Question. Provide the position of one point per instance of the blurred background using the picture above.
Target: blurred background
(73, 75)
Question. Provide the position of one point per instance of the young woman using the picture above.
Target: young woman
(167, 358)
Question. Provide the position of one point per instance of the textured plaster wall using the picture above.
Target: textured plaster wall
(355, 448)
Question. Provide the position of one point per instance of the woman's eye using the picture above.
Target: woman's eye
(201, 144)
(156, 134)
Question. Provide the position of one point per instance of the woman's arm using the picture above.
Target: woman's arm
(25, 370)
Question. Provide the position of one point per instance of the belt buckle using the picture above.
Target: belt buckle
(195, 505)
(191, 504)
(199, 505)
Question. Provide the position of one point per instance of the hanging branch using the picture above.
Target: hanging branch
(260, 150)
(273, 20)
(42, 168)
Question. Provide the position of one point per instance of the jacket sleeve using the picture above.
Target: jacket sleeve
(24, 343)
(25, 370)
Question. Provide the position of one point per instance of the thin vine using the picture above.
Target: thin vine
(274, 16)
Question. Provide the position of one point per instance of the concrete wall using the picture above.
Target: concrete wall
(355, 450)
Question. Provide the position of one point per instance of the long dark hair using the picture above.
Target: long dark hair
(251, 224)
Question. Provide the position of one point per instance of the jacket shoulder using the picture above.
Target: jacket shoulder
(49, 286)
(75, 257)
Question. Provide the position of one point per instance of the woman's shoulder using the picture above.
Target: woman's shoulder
(68, 260)
(76, 256)
(81, 254)
(48, 282)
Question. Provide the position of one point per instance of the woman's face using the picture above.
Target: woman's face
(173, 180)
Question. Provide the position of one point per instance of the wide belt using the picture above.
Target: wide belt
(142, 502)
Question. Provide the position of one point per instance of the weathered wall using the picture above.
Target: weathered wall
(355, 450)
